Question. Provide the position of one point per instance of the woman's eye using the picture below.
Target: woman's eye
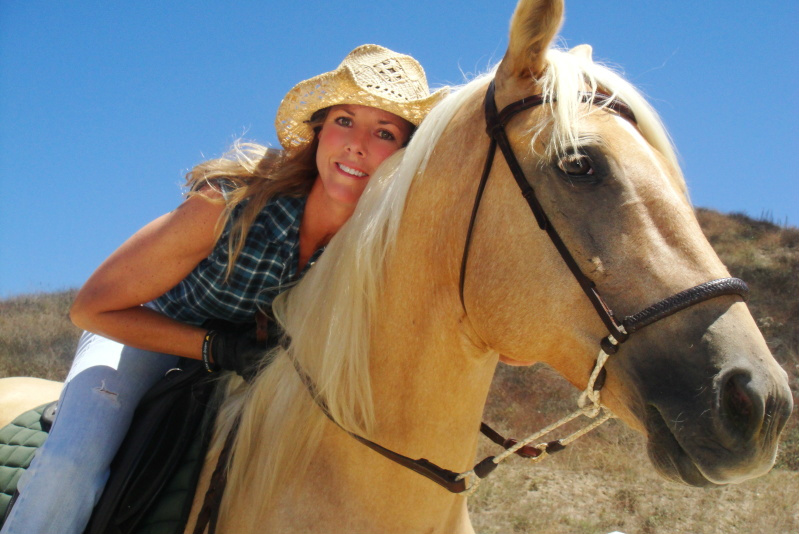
(386, 135)
(344, 121)
(576, 165)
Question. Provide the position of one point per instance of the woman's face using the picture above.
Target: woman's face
(353, 142)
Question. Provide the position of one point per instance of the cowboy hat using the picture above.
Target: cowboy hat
(370, 75)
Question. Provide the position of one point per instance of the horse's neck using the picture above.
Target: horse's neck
(428, 394)
(429, 384)
(429, 377)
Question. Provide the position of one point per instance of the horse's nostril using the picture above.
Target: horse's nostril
(739, 407)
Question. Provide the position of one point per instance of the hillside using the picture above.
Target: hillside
(36, 336)
(602, 483)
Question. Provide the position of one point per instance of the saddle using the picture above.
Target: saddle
(154, 473)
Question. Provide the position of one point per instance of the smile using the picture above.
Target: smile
(352, 172)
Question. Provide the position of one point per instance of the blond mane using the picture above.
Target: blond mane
(327, 316)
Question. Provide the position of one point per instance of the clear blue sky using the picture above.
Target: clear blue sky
(104, 105)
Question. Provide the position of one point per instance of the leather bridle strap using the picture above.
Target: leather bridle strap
(443, 477)
(495, 128)
(209, 512)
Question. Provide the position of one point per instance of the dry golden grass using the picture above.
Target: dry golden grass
(36, 336)
(602, 483)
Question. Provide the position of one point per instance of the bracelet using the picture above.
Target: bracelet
(210, 367)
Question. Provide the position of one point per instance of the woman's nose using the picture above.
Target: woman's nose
(357, 143)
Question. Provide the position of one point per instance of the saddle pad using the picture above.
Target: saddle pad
(19, 440)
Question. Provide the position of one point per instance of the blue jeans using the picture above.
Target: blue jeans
(68, 473)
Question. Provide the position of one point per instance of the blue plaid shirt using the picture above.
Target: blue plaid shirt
(266, 266)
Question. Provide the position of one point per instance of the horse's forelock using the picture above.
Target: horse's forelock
(568, 75)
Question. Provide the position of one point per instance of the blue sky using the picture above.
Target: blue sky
(105, 105)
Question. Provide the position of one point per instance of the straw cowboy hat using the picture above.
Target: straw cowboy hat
(371, 76)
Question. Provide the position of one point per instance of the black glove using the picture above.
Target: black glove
(237, 351)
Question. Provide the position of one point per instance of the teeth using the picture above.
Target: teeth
(351, 171)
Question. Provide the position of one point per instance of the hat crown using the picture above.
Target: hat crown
(387, 74)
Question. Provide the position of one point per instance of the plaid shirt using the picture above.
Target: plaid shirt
(266, 266)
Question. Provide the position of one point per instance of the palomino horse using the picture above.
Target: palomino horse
(397, 330)
(399, 341)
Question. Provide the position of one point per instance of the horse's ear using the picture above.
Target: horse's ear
(582, 51)
(532, 28)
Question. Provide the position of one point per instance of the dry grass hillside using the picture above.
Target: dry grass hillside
(604, 482)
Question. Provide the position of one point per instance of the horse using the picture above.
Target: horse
(393, 337)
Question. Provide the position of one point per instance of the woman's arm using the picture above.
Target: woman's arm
(145, 267)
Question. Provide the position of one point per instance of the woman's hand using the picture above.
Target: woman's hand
(238, 350)
(147, 265)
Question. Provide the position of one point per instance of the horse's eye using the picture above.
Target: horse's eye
(576, 165)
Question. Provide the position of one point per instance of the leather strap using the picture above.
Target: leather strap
(209, 513)
(495, 128)
(441, 476)
(686, 299)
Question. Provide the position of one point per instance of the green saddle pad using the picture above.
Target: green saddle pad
(18, 442)
(23, 436)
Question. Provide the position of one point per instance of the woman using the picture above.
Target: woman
(252, 224)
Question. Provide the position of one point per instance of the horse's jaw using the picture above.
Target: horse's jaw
(667, 455)
(681, 464)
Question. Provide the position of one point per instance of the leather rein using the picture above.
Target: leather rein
(619, 331)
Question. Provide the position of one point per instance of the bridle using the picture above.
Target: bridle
(619, 332)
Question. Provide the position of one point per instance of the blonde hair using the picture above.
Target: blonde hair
(253, 174)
